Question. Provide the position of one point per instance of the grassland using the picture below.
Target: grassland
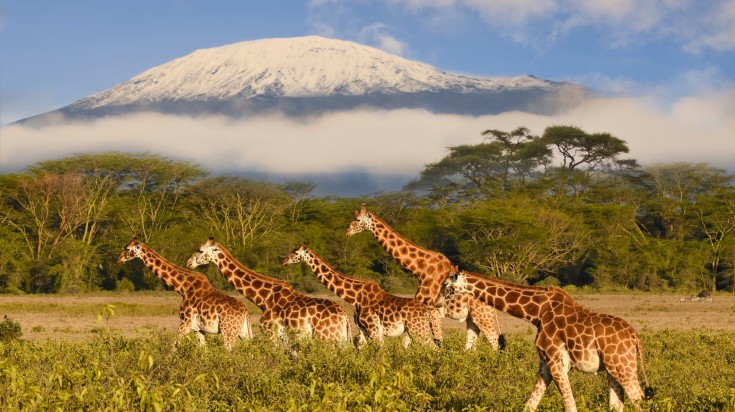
(113, 352)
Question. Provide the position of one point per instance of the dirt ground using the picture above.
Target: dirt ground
(74, 317)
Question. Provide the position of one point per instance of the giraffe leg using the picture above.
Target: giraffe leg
(437, 315)
(616, 394)
(627, 380)
(184, 328)
(484, 318)
(229, 338)
(543, 379)
(559, 366)
(201, 340)
(415, 329)
(373, 326)
(472, 332)
(406, 340)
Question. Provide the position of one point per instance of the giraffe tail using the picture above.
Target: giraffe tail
(649, 392)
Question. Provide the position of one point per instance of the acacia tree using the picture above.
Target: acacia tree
(299, 192)
(239, 211)
(519, 239)
(716, 213)
(156, 184)
(504, 161)
(588, 160)
(102, 175)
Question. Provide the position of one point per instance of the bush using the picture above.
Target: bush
(125, 284)
(9, 330)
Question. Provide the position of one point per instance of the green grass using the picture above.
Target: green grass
(691, 371)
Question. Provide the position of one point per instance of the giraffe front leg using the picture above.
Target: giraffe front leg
(543, 379)
(372, 325)
(437, 315)
(406, 340)
(485, 319)
(559, 366)
(268, 323)
(201, 340)
(472, 332)
(184, 328)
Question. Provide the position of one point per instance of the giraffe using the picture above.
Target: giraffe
(282, 305)
(377, 312)
(203, 309)
(431, 268)
(568, 336)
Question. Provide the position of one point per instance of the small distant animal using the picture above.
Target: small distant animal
(704, 294)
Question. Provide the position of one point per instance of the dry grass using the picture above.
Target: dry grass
(75, 317)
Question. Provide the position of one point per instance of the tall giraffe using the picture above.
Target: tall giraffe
(431, 268)
(377, 312)
(203, 309)
(282, 305)
(568, 336)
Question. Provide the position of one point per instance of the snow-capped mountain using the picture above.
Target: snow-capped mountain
(307, 75)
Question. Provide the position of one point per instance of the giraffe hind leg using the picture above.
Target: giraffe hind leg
(616, 394)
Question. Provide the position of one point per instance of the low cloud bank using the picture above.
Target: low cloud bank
(388, 143)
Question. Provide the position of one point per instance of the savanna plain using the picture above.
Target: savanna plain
(113, 351)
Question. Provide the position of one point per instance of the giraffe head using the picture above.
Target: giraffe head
(207, 253)
(454, 285)
(363, 221)
(300, 254)
(132, 250)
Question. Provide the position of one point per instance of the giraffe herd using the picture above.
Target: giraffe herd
(568, 335)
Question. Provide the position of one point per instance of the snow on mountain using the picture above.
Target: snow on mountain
(292, 67)
(306, 75)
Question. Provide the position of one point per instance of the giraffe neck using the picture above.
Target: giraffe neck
(398, 246)
(524, 302)
(258, 288)
(183, 281)
(354, 291)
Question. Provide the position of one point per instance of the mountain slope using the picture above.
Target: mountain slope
(307, 75)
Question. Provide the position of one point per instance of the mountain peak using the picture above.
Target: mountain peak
(288, 67)
(305, 75)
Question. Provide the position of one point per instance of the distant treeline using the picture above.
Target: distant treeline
(562, 208)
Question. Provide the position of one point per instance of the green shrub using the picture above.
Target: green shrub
(9, 330)
(125, 284)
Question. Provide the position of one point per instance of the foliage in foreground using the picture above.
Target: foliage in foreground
(692, 371)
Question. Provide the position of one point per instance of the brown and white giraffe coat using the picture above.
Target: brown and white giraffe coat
(431, 269)
(282, 305)
(568, 336)
(203, 309)
(377, 312)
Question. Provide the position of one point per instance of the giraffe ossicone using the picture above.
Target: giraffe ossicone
(203, 309)
(377, 312)
(568, 336)
(284, 308)
(431, 268)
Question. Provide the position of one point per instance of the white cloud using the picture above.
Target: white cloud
(695, 25)
(693, 129)
(377, 35)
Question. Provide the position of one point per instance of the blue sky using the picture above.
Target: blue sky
(668, 65)
(55, 52)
